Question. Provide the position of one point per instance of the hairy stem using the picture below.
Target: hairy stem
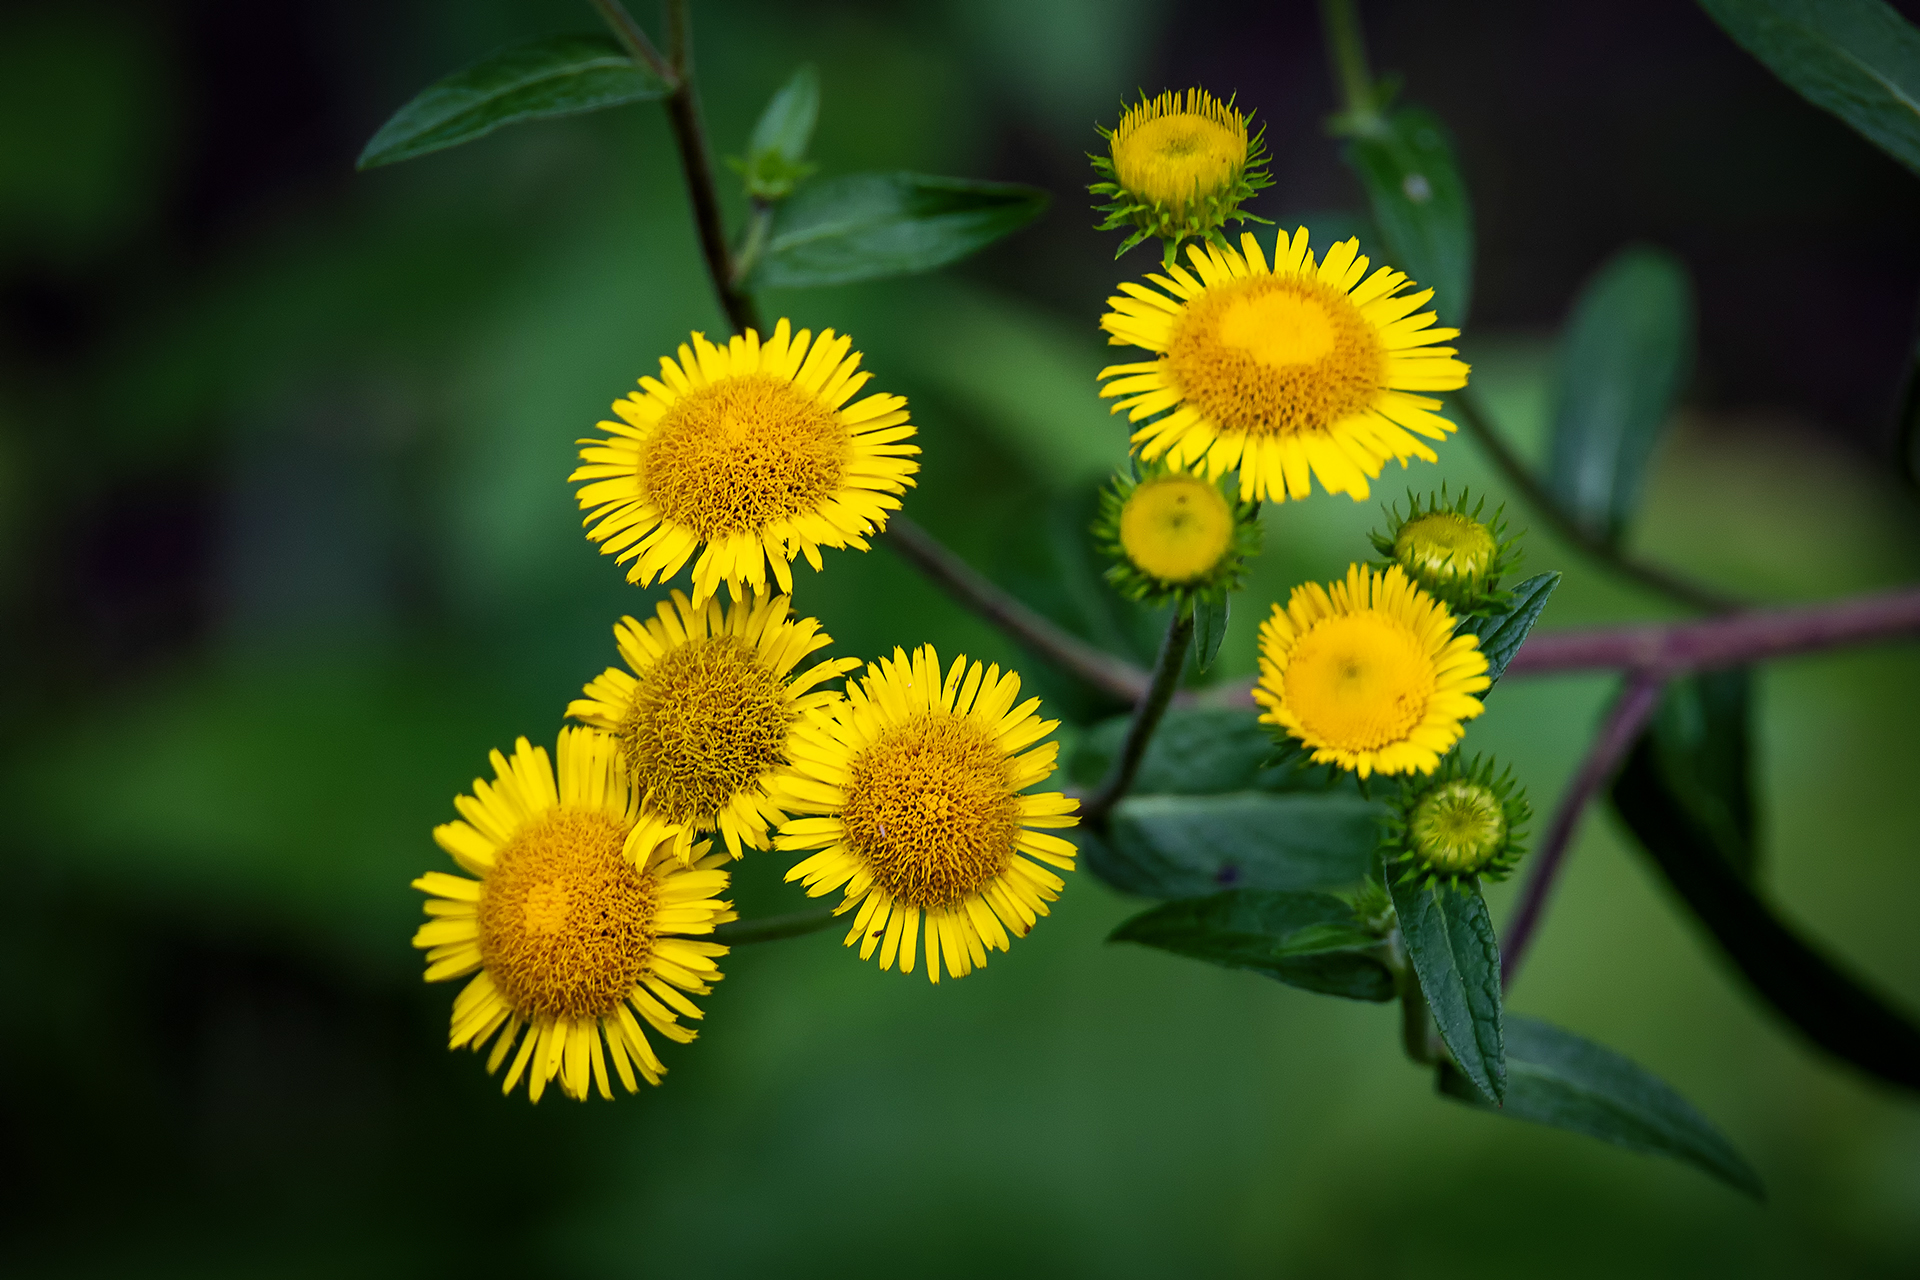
(1116, 677)
(1521, 477)
(1628, 716)
(773, 928)
(1146, 718)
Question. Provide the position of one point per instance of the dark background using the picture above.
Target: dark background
(285, 547)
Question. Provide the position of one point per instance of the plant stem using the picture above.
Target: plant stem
(1347, 50)
(772, 928)
(1732, 641)
(1628, 716)
(1521, 477)
(633, 39)
(759, 231)
(1146, 718)
(1113, 676)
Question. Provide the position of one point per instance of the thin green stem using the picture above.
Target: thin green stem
(773, 928)
(759, 231)
(1146, 718)
(1521, 477)
(633, 39)
(1347, 50)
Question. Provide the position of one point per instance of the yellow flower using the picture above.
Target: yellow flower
(572, 921)
(1176, 527)
(705, 723)
(750, 454)
(1285, 373)
(1368, 674)
(917, 783)
(1178, 168)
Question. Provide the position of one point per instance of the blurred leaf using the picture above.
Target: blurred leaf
(1196, 751)
(1502, 634)
(1858, 59)
(868, 226)
(777, 151)
(1559, 1079)
(1209, 628)
(1308, 940)
(1834, 1009)
(1701, 743)
(1420, 205)
(1624, 359)
(1450, 940)
(1187, 846)
(1907, 429)
(554, 76)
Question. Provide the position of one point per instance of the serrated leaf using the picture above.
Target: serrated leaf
(777, 151)
(1832, 1007)
(1450, 940)
(555, 76)
(1565, 1081)
(1502, 634)
(868, 226)
(1858, 59)
(1625, 356)
(1189, 846)
(1420, 205)
(1304, 939)
(1209, 628)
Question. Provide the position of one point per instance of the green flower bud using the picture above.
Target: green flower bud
(1462, 822)
(1445, 547)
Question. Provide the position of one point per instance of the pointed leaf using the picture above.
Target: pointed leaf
(1833, 1008)
(1557, 1078)
(777, 151)
(1502, 634)
(1196, 751)
(1450, 940)
(1420, 205)
(1856, 58)
(555, 76)
(1209, 628)
(1308, 940)
(868, 226)
(1700, 739)
(1187, 846)
(1624, 359)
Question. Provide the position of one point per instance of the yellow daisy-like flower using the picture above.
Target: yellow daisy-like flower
(575, 922)
(750, 454)
(1173, 152)
(706, 720)
(917, 783)
(1287, 373)
(1176, 527)
(1368, 673)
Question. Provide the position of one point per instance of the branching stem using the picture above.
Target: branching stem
(772, 928)
(1146, 718)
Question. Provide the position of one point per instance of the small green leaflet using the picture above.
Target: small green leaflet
(1856, 58)
(1420, 205)
(1502, 634)
(1565, 1081)
(1450, 940)
(556, 76)
(1209, 628)
(1625, 356)
(777, 151)
(1186, 846)
(868, 226)
(1307, 940)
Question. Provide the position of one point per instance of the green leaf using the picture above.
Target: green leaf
(1308, 940)
(1187, 846)
(1565, 1081)
(1856, 58)
(1450, 940)
(868, 226)
(1700, 740)
(1196, 751)
(1420, 205)
(1624, 359)
(777, 151)
(1502, 634)
(1209, 628)
(1834, 1009)
(1907, 429)
(557, 76)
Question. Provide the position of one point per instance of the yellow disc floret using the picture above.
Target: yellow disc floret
(750, 454)
(917, 786)
(705, 720)
(576, 918)
(1176, 527)
(1289, 373)
(1368, 674)
(1174, 152)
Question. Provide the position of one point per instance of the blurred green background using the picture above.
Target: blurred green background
(285, 548)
